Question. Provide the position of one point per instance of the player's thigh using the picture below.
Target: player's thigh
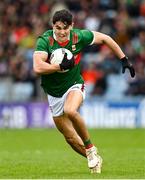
(64, 125)
(73, 100)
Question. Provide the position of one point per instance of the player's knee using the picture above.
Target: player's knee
(70, 112)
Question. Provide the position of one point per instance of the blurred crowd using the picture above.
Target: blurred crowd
(22, 21)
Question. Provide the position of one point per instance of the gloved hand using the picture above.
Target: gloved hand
(67, 64)
(127, 65)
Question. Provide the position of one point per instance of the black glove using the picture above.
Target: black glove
(127, 65)
(67, 64)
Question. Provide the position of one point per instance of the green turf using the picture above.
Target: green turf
(43, 153)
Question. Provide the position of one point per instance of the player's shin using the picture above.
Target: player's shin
(77, 145)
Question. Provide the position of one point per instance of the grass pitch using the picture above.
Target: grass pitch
(43, 153)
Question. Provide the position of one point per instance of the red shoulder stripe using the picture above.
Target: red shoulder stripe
(77, 58)
(51, 40)
(75, 38)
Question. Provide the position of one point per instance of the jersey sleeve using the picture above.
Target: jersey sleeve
(41, 45)
(87, 36)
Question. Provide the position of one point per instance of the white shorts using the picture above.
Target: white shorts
(56, 104)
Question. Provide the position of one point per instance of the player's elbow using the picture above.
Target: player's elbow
(101, 38)
(106, 39)
(36, 69)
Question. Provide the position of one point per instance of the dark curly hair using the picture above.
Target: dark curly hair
(64, 16)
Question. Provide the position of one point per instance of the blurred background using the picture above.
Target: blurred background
(113, 99)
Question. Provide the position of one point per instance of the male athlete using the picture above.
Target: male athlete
(66, 91)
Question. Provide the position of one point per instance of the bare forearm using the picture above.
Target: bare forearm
(100, 38)
(45, 68)
(117, 50)
(114, 47)
(40, 66)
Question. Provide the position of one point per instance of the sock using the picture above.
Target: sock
(88, 144)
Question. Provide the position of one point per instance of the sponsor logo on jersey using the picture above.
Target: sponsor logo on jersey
(73, 47)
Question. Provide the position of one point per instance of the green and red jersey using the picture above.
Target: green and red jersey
(56, 84)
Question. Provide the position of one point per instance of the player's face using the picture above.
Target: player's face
(62, 31)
